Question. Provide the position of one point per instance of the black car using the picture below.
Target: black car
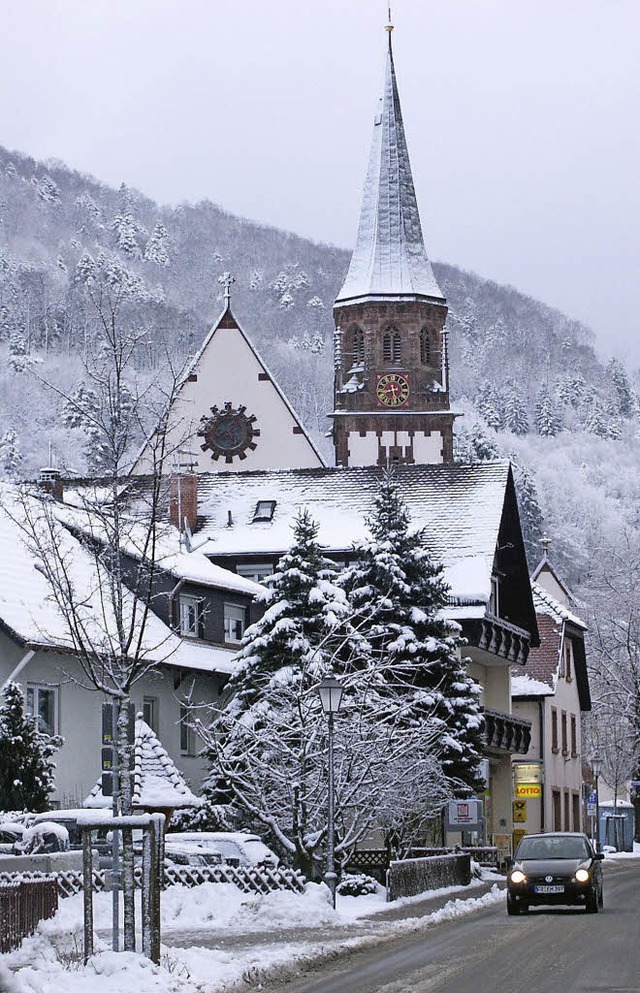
(555, 870)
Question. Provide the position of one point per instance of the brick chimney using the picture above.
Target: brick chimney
(183, 500)
(50, 480)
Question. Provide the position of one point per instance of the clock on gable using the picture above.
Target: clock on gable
(229, 432)
(392, 389)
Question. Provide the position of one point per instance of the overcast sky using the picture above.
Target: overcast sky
(522, 120)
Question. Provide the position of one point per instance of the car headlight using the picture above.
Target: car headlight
(518, 877)
(582, 876)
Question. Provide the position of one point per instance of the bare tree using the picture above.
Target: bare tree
(99, 549)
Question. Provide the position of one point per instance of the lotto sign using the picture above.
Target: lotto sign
(528, 791)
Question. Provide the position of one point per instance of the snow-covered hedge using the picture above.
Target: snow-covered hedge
(412, 876)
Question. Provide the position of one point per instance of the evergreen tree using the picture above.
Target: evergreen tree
(516, 418)
(489, 403)
(624, 392)
(401, 595)
(156, 247)
(531, 517)
(26, 769)
(547, 416)
(474, 444)
(10, 455)
(124, 226)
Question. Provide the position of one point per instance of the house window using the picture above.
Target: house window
(150, 712)
(187, 734)
(256, 571)
(234, 622)
(567, 661)
(565, 743)
(574, 736)
(575, 802)
(567, 823)
(264, 510)
(189, 620)
(425, 347)
(42, 703)
(556, 809)
(554, 731)
(392, 346)
(494, 602)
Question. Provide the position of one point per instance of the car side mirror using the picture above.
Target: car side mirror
(598, 856)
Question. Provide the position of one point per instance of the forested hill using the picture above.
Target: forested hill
(526, 377)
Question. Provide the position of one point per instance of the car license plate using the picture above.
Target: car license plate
(548, 889)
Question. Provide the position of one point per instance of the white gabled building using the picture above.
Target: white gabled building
(229, 411)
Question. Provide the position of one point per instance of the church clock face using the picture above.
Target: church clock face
(392, 389)
(228, 433)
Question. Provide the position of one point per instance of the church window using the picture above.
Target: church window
(357, 346)
(425, 347)
(392, 346)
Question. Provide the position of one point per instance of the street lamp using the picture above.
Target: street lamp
(596, 768)
(330, 690)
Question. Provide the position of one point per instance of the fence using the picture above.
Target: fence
(375, 861)
(23, 904)
(250, 879)
(412, 876)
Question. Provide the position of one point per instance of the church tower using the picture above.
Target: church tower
(391, 393)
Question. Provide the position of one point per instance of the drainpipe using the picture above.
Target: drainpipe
(542, 750)
(24, 661)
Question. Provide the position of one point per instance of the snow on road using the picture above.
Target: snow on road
(221, 935)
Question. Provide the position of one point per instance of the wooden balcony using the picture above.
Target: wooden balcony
(506, 733)
(499, 637)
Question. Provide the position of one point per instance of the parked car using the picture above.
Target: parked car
(70, 819)
(43, 838)
(178, 855)
(555, 869)
(236, 847)
(10, 834)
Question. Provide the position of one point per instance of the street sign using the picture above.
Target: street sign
(528, 791)
(519, 811)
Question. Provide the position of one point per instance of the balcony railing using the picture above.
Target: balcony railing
(506, 733)
(495, 635)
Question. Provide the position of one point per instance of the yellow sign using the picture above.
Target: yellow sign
(519, 811)
(528, 791)
(518, 835)
(527, 772)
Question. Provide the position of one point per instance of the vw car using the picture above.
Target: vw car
(560, 869)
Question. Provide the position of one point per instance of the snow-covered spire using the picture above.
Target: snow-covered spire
(389, 260)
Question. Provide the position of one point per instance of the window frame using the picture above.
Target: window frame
(574, 736)
(425, 347)
(187, 601)
(392, 346)
(554, 731)
(563, 733)
(34, 690)
(266, 514)
(153, 703)
(255, 569)
(187, 732)
(241, 615)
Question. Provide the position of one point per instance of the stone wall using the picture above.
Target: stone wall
(412, 876)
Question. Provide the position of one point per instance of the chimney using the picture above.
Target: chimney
(50, 480)
(183, 500)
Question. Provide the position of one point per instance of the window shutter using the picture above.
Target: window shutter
(201, 609)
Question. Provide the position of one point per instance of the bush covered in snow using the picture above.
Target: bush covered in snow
(357, 885)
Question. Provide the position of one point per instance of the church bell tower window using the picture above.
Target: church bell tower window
(392, 346)
(357, 346)
(425, 347)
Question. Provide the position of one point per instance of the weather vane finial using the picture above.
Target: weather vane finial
(227, 281)
(389, 26)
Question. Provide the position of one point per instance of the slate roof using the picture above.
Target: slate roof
(459, 507)
(389, 259)
(157, 784)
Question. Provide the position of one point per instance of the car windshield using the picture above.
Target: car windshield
(552, 848)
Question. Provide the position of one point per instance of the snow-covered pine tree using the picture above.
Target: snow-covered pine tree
(472, 443)
(489, 403)
(401, 593)
(26, 767)
(156, 247)
(125, 227)
(547, 415)
(10, 455)
(515, 411)
(264, 746)
(531, 517)
(626, 398)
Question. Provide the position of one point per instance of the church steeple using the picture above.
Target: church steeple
(389, 259)
(391, 371)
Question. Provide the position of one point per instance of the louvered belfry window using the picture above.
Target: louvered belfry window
(392, 346)
(357, 346)
(425, 347)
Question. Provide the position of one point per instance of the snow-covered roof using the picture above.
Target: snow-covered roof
(545, 603)
(525, 685)
(156, 781)
(29, 612)
(389, 259)
(458, 507)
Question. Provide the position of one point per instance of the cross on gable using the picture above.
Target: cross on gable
(227, 280)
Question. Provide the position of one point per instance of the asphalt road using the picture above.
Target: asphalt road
(545, 951)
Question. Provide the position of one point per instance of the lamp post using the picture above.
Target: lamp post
(596, 768)
(330, 690)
